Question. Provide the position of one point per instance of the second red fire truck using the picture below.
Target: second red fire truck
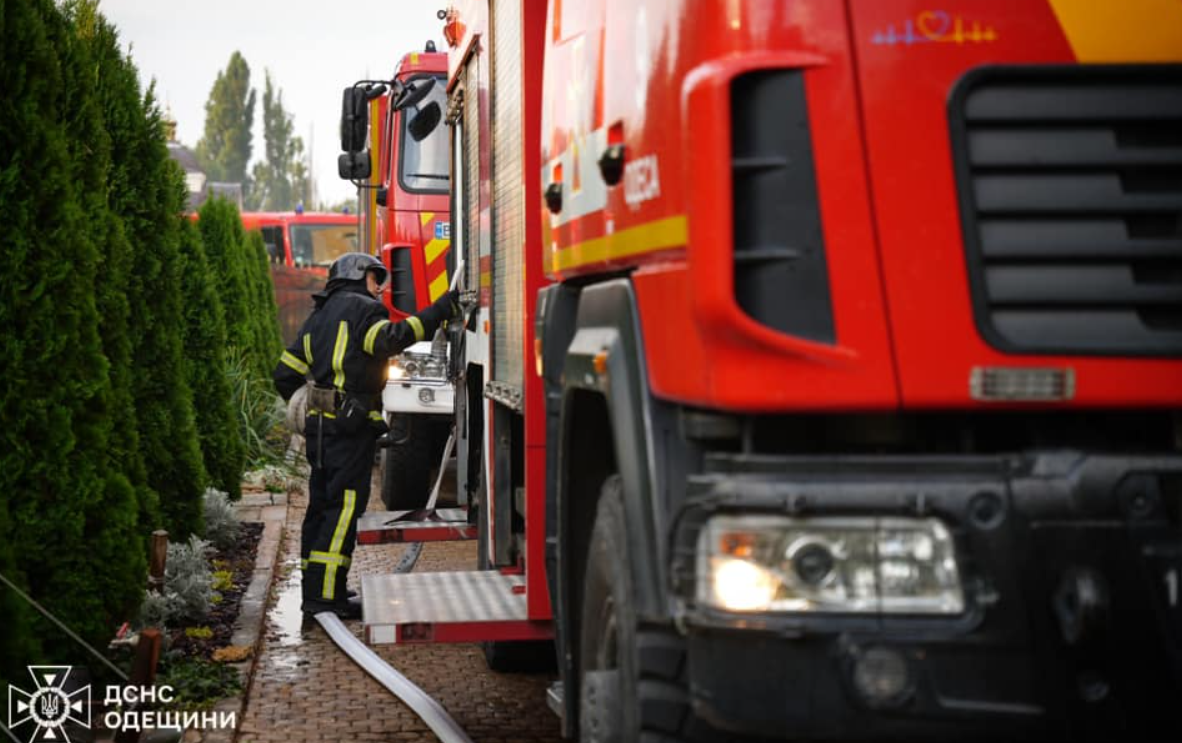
(407, 222)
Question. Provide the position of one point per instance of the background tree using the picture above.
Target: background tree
(110, 564)
(110, 317)
(222, 235)
(281, 179)
(164, 401)
(57, 395)
(301, 177)
(268, 342)
(205, 346)
(225, 147)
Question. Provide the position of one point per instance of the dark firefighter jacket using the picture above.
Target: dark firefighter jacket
(346, 341)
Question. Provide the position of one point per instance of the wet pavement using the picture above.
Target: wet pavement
(305, 689)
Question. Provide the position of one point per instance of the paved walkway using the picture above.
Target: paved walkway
(306, 690)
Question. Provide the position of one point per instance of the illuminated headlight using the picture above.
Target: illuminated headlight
(841, 565)
(409, 366)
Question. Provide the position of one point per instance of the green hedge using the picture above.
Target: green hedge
(115, 399)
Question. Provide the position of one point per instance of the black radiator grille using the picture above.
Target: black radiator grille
(1070, 185)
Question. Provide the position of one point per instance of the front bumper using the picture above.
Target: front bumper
(429, 397)
(1072, 629)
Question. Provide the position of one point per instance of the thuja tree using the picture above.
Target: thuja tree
(56, 395)
(163, 400)
(103, 96)
(268, 344)
(205, 346)
(222, 235)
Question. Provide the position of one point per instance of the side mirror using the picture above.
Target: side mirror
(414, 93)
(354, 119)
(354, 166)
(424, 121)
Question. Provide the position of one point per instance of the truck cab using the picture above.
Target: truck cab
(300, 247)
(406, 222)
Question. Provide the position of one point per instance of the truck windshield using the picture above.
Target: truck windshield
(320, 244)
(423, 166)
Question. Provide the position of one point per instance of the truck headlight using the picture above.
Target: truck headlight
(841, 565)
(409, 366)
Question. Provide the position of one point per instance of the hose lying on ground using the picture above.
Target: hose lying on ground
(400, 686)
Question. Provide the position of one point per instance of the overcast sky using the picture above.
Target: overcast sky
(313, 50)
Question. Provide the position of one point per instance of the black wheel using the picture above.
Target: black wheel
(632, 678)
(407, 467)
(508, 656)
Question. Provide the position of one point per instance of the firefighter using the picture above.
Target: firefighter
(341, 354)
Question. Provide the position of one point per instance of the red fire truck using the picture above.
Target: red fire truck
(822, 376)
(405, 212)
(301, 239)
(301, 245)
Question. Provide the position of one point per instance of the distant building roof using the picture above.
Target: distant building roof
(184, 157)
(199, 185)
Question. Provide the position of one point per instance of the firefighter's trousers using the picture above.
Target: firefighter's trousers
(338, 491)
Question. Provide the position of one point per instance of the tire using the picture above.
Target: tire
(632, 678)
(407, 467)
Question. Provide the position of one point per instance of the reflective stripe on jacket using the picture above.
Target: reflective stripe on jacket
(346, 341)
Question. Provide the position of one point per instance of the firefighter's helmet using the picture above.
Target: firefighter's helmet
(354, 266)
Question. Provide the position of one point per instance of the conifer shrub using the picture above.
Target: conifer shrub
(164, 402)
(56, 395)
(268, 343)
(222, 234)
(205, 349)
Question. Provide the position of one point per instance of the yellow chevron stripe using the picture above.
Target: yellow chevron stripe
(438, 286)
(435, 248)
(426, 217)
(1125, 31)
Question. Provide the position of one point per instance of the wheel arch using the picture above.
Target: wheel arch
(599, 413)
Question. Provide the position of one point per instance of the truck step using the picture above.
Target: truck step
(469, 606)
(438, 525)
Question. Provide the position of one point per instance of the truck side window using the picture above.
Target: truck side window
(423, 165)
(273, 239)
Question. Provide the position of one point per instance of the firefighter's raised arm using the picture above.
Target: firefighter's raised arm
(384, 338)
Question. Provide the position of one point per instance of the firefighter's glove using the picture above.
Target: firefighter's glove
(448, 305)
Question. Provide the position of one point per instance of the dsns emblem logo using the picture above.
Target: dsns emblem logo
(57, 708)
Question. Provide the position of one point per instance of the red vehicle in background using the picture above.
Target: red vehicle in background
(404, 183)
(310, 240)
(301, 246)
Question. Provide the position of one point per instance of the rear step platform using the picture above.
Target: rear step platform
(439, 525)
(468, 606)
